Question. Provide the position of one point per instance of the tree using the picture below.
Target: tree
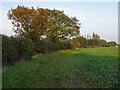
(102, 43)
(92, 42)
(96, 42)
(112, 44)
(61, 26)
(79, 42)
(28, 22)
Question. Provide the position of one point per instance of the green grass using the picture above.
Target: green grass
(83, 68)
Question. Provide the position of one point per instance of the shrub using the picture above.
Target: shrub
(93, 42)
(79, 42)
(67, 45)
(45, 46)
(112, 44)
(15, 49)
(102, 43)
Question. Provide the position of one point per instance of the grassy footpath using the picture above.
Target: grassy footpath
(86, 67)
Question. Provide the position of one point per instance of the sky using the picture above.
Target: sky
(98, 17)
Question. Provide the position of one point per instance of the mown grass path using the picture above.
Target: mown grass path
(83, 68)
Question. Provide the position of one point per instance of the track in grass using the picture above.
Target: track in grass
(83, 68)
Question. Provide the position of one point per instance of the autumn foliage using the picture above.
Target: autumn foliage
(112, 44)
(34, 23)
(28, 22)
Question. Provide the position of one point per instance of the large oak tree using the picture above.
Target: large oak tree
(28, 22)
(34, 23)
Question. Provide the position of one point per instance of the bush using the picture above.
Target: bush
(45, 46)
(112, 44)
(102, 43)
(66, 45)
(15, 49)
(79, 42)
(93, 42)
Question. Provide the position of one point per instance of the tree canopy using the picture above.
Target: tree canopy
(112, 44)
(33, 23)
(79, 42)
(28, 22)
(61, 26)
(93, 42)
(102, 43)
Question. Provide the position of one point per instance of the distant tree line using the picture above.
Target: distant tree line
(81, 42)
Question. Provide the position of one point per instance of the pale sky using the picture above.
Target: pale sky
(98, 17)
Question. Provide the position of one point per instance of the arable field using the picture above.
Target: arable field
(81, 68)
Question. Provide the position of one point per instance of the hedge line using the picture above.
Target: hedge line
(45, 46)
(15, 49)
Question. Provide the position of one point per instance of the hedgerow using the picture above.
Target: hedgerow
(15, 49)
